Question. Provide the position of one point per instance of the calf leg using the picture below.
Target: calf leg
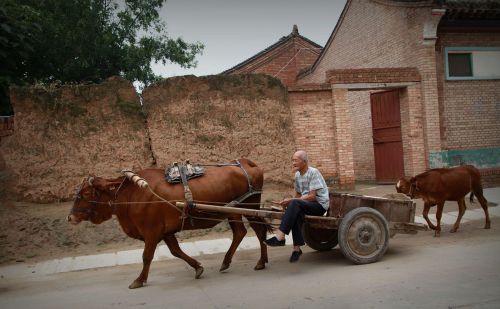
(239, 231)
(147, 257)
(439, 213)
(461, 211)
(425, 214)
(261, 232)
(176, 251)
(484, 205)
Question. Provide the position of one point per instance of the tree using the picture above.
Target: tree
(18, 26)
(90, 40)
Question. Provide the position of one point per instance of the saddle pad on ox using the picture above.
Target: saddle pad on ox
(173, 175)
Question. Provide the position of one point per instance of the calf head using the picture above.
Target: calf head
(93, 201)
(408, 186)
(403, 185)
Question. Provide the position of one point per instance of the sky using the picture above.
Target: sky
(233, 31)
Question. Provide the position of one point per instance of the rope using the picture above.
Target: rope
(166, 201)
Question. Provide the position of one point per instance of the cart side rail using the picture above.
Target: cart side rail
(393, 210)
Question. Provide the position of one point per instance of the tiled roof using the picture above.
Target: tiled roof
(282, 40)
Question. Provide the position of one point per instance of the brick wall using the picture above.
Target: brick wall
(362, 135)
(285, 61)
(343, 136)
(373, 75)
(374, 34)
(313, 127)
(410, 103)
(490, 177)
(470, 110)
(372, 39)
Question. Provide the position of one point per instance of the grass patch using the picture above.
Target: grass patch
(129, 108)
(207, 139)
(225, 121)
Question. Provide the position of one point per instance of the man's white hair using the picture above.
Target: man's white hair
(302, 154)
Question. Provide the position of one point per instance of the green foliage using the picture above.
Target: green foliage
(87, 40)
(18, 28)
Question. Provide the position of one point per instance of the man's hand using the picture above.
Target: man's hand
(284, 203)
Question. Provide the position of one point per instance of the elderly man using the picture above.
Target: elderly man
(311, 198)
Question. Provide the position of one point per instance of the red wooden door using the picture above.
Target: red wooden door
(387, 142)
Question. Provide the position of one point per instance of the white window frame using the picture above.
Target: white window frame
(466, 50)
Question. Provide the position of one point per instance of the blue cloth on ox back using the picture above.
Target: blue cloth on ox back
(173, 175)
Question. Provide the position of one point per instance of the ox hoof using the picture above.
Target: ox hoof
(136, 284)
(453, 230)
(437, 234)
(199, 271)
(224, 266)
(487, 226)
(259, 266)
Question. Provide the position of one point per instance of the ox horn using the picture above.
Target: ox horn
(90, 180)
(141, 182)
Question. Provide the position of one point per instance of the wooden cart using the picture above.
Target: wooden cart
(360, 225)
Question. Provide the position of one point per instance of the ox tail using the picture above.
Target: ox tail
(471, 197)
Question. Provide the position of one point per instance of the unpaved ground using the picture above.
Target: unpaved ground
(418, 271)
(34, 232)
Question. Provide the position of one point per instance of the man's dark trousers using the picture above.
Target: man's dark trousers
(293, 219)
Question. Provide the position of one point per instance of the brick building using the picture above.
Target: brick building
(401, 87)
(283, 60)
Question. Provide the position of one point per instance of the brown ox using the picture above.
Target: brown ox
(98, 199)
(445, 184)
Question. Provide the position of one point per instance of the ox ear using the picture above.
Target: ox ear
(102, 184)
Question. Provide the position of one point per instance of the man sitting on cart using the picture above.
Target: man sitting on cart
(311, 198)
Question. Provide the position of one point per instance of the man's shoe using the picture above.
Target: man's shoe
(274, 242)
(295, 256)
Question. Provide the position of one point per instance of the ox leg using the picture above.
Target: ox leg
(439, 213)
(261, 232)
(484, 205)
(461, 211)
(425, 214)
(147, 257)
(239, 231)
(176, 251)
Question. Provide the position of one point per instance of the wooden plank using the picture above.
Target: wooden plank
(235, 210)
(316, 221)
(407, 228)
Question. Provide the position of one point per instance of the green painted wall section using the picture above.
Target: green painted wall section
(480, 158)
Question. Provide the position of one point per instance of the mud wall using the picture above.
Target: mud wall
(220, 118)
(63, 134)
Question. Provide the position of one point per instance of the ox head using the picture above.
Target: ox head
(93, 201)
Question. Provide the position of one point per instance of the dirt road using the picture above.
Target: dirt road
(419, 271)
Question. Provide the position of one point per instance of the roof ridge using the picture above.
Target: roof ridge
(281, 41)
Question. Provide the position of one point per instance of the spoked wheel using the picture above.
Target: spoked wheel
(319, 239)
(363, 235)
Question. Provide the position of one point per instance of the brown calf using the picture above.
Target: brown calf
(445, 184)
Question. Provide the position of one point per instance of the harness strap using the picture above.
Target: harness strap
(249, 178)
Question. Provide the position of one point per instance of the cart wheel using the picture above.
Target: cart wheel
(363, 235)
(319, 239)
